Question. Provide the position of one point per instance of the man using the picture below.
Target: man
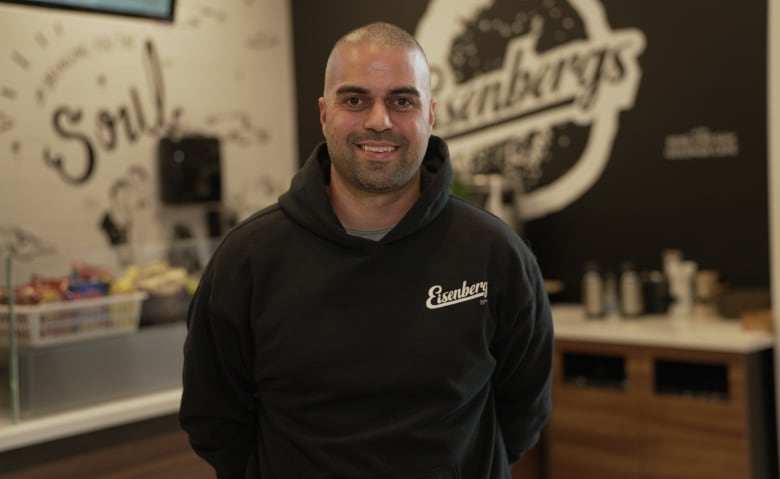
(369, 325)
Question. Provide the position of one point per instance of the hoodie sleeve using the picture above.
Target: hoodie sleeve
(217, 406)
(523, 347)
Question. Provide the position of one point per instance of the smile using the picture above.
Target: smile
(378, 149)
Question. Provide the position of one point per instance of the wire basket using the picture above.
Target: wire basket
(60, 322)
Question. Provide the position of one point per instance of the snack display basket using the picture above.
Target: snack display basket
(67, 321)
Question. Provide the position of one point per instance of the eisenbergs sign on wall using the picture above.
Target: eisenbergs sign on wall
(531, 90)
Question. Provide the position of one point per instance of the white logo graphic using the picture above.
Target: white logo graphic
(701, 142)
(511, 109)
(438, 298)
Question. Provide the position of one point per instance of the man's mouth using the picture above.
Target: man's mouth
(378, 149)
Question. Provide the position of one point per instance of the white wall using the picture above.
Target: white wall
(227, 66)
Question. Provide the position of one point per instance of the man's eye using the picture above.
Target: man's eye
(404, 102)
(354, 101)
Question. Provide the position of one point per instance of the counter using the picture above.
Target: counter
(708, 334)
(570, 324)
(78, 421)
(77, 388)
(660, 397)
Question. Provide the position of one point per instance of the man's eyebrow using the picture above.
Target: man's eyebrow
(347, 89)
(405, 91)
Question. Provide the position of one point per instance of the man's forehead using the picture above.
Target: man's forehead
(375, 56)
(369, 60)
(350, 89)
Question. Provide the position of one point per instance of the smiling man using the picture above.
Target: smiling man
(369, 325)
(377, 115)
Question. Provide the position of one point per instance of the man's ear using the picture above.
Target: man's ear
(323, 112)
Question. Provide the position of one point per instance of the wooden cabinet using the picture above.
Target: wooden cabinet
(629, 411)
(595, 429)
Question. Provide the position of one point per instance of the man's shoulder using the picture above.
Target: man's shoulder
(491, 228)
(477, 216)
(267, 214)
(255, 227)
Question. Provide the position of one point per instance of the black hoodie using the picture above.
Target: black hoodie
(312, 353)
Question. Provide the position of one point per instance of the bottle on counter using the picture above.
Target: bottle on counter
(706, 288)
(656, 292)
(671, 259)
(611, 298)
(593, 290)
(631, 297)
(681, 285)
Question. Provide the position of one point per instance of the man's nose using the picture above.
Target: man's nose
(378, 118)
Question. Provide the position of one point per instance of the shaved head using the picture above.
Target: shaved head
(378, 35)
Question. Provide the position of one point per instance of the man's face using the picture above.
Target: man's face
(377, 115)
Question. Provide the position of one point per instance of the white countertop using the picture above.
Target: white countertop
(711, 334)
(78, 421)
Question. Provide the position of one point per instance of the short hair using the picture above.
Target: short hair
(381, 34)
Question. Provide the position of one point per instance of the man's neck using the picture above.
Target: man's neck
(362, 210)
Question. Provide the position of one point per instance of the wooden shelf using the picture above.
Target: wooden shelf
(662, 421)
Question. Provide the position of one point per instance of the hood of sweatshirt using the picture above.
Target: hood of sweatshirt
(306, 202)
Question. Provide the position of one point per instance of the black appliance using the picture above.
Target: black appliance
(190, 170)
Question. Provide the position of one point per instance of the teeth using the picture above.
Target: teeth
(378, 149)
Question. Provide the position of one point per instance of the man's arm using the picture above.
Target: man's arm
(524, 350)
(217, 406)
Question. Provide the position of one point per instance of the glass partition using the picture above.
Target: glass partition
(9, 375)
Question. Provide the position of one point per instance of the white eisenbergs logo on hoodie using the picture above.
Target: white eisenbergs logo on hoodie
(438, 298)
